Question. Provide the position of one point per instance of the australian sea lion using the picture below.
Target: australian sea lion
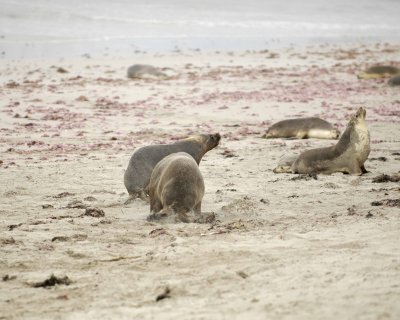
(176, 188)
(379, 71)
(144, 159)
(395, 81)
(140, 71)
(302, 128)
(347, 156)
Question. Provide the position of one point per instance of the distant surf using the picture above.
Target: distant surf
(44, 28)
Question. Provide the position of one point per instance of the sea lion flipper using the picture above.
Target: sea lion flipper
(355, 170)
(197, 208)
(302, 135)
(363, 169)
(162, 214)
(155, 206)
(183, 217)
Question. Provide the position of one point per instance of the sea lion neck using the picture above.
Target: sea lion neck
(193, 147)
(348, 135)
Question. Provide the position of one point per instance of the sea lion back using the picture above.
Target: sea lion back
(176, 188)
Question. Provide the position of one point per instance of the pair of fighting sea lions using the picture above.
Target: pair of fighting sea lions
(170, 175)
(382, 71)
(347, 156)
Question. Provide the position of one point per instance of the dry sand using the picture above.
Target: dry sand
(280, 248)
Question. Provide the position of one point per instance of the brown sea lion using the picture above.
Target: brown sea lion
(379, 71)
(302, 128)
(176, 189)
(142, 71)
(144, 159)
(395, 81)
(347, 156)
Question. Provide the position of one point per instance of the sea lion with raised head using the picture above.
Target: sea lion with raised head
(176, 189)
(378, 71)
(302, 128)
(347, 156)
(143, 71)
(144, 159)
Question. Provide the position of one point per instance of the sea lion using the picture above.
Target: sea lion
(176, 188)
(302, 128)
(285, 163)
(379, 71)
(141, 71)
(144, 159)
(347, 156)
(395, 81)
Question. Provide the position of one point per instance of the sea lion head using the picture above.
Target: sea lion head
(211, 140)
(357, 125)
(207, 141)
(358, 117)
(282, 169)
(359, 135)
(270, 133)
(360, 114)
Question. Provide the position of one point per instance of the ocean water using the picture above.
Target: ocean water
(62, 28)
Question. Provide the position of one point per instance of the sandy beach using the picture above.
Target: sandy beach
(283, 246)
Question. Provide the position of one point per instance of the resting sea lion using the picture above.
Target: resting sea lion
(379, 71)
(176, 188)
(347, 156)
(302, 128)
(141, 71)
(395, 81)
(144, 159)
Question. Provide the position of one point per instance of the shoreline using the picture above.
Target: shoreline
(55, 49)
